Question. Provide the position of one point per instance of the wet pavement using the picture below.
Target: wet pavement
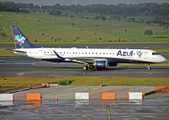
(147, 109)
(152, 107)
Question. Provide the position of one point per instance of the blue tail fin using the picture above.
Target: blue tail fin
(20, 40)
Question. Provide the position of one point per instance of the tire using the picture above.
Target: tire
(85, 68)
(91, 67)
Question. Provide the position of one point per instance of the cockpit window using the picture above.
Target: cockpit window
(155, 53)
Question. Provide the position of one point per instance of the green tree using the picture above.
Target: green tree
(73, 24)
(103, 17)
(71, 16)
(55, 12)
(148, 32)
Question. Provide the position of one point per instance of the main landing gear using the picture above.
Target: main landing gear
(86, 67)
(149, 66)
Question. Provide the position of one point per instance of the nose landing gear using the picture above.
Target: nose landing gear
(149, 66)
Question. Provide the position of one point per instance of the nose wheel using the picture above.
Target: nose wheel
(149, 66)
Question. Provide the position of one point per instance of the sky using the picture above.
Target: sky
(85, 2)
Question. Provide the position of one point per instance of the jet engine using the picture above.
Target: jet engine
(101, 64)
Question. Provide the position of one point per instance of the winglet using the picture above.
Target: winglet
(58, 56)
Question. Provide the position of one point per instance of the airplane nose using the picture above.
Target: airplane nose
(164, 59)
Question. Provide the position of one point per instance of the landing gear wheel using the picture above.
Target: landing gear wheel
(149, 68)
(91, 67)
(85, 68)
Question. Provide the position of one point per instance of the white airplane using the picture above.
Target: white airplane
(91, 58)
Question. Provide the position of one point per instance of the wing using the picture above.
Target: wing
(78, 60)
(83, 60)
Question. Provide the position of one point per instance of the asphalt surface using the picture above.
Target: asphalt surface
(24, 66)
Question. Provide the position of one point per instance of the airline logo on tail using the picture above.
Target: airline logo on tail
(20, 39)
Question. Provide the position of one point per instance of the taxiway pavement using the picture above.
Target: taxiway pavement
(24, 66)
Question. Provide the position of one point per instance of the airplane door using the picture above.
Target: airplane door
(40, 53)
(145, 55)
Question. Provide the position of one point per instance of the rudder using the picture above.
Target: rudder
(20, 40)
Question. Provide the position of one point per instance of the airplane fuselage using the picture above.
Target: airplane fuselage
(110, 55)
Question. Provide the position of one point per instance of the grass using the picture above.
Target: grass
(83, 81)
(159, 34)
(44, 28)
(62, 82)
(4, 52)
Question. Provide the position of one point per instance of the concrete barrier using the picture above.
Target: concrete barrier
(81, 96)
(33, 96)
(54, 85)
(107, 96)
(95, 96)
(135, 95)
(122, 96)
(19, 97)
(6, 97)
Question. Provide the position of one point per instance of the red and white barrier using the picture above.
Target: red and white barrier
(135, 95)
(15, 97)
(109, 96)
(6, 97)
(81, 96)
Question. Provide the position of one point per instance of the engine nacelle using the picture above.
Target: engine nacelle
(113, 64)
(101, 64)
